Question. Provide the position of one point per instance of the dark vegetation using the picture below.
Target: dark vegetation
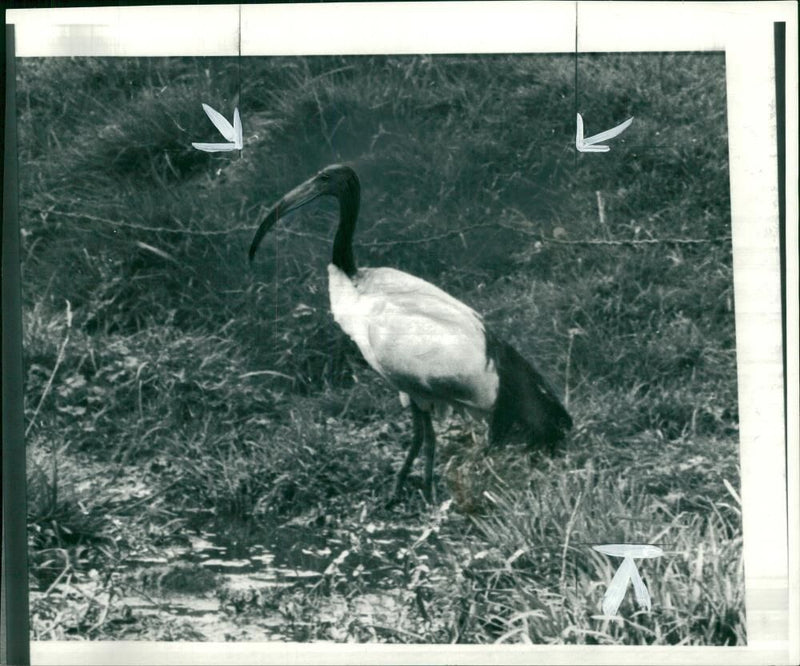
(172, 390)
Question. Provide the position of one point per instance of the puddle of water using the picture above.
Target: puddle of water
(264, 560)
(200, 544)
(147, 561)
(228, 566)
(246, 581)
(183, 605)
(205, 618)
(252, 563)
(295, 552)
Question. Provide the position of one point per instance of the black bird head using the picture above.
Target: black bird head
(337, 180)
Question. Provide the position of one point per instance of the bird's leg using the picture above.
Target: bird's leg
(430, 452)
(416, 443)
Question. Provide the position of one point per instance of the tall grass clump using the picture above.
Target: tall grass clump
(545, 534)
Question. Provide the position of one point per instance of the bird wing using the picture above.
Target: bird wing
(425, 342)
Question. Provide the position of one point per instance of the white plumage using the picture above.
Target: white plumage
(418, 337)
(431, 347)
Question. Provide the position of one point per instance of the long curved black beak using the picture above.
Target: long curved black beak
(299, 196)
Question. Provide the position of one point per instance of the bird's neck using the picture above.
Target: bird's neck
(343, 257)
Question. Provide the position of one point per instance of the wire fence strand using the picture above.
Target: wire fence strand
(400, 241)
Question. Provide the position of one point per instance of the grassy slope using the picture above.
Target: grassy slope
(230, 390)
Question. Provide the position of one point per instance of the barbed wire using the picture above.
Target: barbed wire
(144, 227)
(636, 241)
(615, 241)
(429, 239)
(400, 241)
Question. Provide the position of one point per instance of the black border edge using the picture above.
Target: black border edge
(15, 561)
(779, 37)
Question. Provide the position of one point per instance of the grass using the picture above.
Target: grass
(172, 389)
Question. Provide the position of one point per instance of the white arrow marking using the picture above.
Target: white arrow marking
(634, 550)
(627, 573)
(617, 588)
(232, 133)
(590, 145)
(639, 588)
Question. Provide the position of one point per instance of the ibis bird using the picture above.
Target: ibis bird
(432, 348)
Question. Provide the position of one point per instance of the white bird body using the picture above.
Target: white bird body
(431, 347)
(418, 337)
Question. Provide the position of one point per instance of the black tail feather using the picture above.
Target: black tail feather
(526, 402)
